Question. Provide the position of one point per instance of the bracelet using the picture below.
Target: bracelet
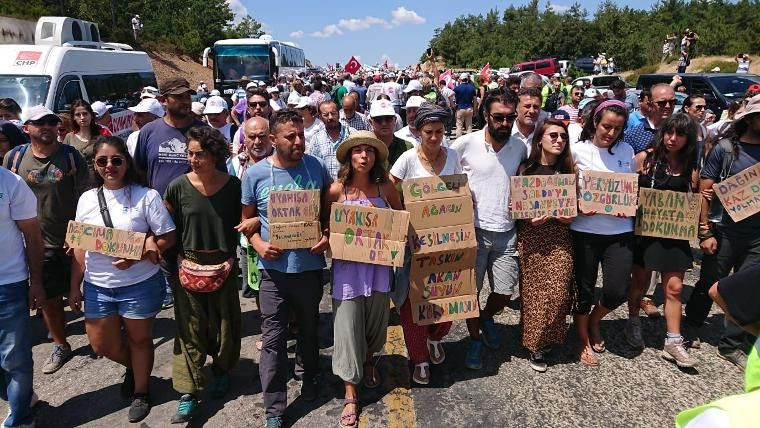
(704, 234)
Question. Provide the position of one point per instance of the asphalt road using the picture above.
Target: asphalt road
(629, 389)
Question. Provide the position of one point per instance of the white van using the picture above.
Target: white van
(69, 62)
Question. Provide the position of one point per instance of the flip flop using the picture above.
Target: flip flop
(348, 416)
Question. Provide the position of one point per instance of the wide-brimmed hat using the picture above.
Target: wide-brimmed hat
(752, 107)
(175, 86)
(357, 138)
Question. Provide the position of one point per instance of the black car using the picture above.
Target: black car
(719, 89)
(585, 63)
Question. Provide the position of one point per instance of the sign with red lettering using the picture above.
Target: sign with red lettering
(740, 193)
(543, 195)
(27, 58)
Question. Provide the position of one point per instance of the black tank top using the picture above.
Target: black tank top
(664, 180)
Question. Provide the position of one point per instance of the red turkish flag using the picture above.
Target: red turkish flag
(485, 71)
(352, 66)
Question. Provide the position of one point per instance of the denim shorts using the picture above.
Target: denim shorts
(497, 257)
(137, 301)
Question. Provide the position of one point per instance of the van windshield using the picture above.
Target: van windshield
(27, 91)
(733, 86)
(234, 62)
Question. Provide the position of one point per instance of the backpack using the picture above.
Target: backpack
(16, 155)
(716, 211)
(554, 101)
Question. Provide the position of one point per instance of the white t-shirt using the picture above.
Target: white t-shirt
(574, 131)
(132, 142)
(393, 90)
(589, 157)
(135, 208)
(17, 202)
(225, 130)
(488, 173)
(742, 66)
(311, 131)
(408, 165)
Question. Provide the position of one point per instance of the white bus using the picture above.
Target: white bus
(69, 62)
(258, 59)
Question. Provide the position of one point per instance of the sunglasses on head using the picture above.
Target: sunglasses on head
(116, 161)
(555, 135)
(45, 121)
(500, 118)
(260, 104)
(663, 103)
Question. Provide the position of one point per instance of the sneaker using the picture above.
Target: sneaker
(274, 422)
(421, 374)
(691, 336)
(537, 361)
(633, 333)
(186, 408)
(649, 308)
(490, 336)
(168, 301)
(309, 390)
(675, 352)
(139, 408)
(128, 384)
(473, 359)
(59, 356)
(735, 357)
(219, 385)
(250, 293)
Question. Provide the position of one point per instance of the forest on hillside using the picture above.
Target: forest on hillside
(633, 36)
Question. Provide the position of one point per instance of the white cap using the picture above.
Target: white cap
(148, 92)
(203, 100)
(149, 105)
(381, 108)
(215, 93)
(273, 89)
(37, 112)
(590, 93)
(197, 108)
(252, 85)
(414, 101)
(215, 105)
(293, 99)
(100, 108)
(556, 75)
(464, 76)
(414, 85)
(303, 102)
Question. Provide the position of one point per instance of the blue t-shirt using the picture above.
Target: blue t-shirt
(639, 136)
(749, 155)
(161, 151)
(464, 94)
(309, 174)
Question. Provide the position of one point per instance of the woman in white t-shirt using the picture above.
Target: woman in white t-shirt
(121, 292)
(601, 238)
(428, 159)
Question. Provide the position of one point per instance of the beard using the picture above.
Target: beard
(501, 134)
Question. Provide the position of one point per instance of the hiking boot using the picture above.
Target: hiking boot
(186, 408)
(139, 408)
(735, 357)
(274, 422)
(633, 333)
(128, 384)
(537, 361)
(490, 336)
(675, 352)
(219, 385)
(309, 390)
(473, 360)
(59, 356)
(649, 308)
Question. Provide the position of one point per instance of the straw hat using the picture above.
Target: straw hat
(358, 138)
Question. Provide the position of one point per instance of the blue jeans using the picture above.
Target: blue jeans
(16, 352)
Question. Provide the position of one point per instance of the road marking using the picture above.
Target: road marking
(398, 400)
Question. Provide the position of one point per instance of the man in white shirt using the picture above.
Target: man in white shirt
(528, 109)
(312, 125)
(490, 157)
(393, 90)
(275, 102)
(375, 89)
(217, 115)
(146, 111)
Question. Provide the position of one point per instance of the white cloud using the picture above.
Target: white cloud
(357, 24)
(238, 9)
(558, 8)
(328, 31)
(296, 34)
(402, 15)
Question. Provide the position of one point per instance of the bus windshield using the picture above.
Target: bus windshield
(234, 62)
(27, 91)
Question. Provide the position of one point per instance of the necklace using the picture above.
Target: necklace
(427, 164)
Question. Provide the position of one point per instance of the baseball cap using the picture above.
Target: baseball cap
(414, 101)
(215, 93)
(381, 108)
(149, 105)
(148, 92)
(752, 107)
(583, 103)
(562, 115)
(215, 105)
(377, 77)
(464, 76)
(303, 102)
(273, 89)
(197, 108)
(590, 93)
(414, 85)
(175, 86)
(37, 112)
(293, 99)
(100, 108)
(252, 85)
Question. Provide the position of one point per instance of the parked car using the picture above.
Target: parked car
(719, 89)
(545, 67)
(601, 81)
(585, 63)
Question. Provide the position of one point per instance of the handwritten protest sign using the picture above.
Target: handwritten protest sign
(608, 192)
(543, 195)
(119, 243)
(740, 193)
(668, 214)
(369, 235)
(443, 245)
(294, 218)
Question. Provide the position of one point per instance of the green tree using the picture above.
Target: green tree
(246, 28)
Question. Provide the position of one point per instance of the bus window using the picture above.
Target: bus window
(119, 90)
(68, 92)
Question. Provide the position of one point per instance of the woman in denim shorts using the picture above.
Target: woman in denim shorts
(122, 293)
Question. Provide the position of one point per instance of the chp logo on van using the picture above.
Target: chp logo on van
(26, 58)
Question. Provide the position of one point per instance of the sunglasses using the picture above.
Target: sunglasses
(260, 104)
(116, 161)
(663, 103)
(499, 118)
(555, 135)
(383, 118)
(51, 121)
(699, 107)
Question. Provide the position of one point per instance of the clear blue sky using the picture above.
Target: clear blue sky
(332, 31)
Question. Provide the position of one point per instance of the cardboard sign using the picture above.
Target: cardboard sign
(442, 310)
(118, 243)
(668, 214)
(441, 212)
(294, 218)
(543, 195)
(740, 193)
(446, 238)
(369, 235)
(608, 193)
(445, 186)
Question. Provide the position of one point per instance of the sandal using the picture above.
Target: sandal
(598, 346)
(587, 358)
(421, 373)
(371, 376)
(437, 355)
(352, 416)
